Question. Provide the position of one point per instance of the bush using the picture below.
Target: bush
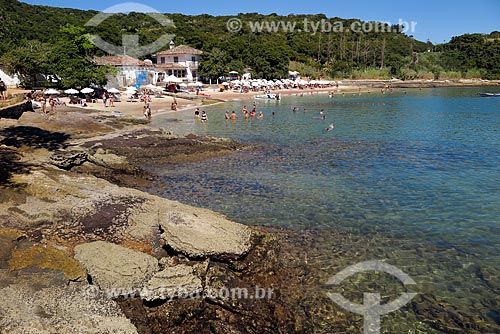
(371, 74)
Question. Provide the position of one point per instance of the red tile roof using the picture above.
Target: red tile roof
(120, 61)
(181, 49)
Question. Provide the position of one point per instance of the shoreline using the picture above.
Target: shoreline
(75, 179)
(162, 105)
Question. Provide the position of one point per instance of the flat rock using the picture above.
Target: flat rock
(41, 301)
(200, 233)
(115, 267)
(46, 257)
(74, 208)
(179, 281)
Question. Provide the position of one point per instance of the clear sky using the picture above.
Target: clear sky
(437, 20)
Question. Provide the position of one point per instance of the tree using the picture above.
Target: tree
(69, 58)
(214, 64)
(28, 60)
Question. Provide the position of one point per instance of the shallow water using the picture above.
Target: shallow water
(417, 172)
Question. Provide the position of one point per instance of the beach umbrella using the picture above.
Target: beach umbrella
(113, 91)
(71, 91)
(225, 83)
(183, 85)
(172, 78)
(198, 84)
(87, 90)
(51, 92)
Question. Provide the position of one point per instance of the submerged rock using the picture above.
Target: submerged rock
(115, 267)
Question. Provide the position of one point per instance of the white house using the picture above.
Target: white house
(131, 71)
(10, 80)
(181, 61)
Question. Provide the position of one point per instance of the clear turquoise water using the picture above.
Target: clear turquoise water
(420, 169)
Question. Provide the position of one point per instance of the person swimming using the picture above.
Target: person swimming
(330, 127)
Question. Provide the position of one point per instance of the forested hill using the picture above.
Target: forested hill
(267, 53)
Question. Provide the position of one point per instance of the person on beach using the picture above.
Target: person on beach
(52, 103)
(295, 109)
(105, 99)
(3, 90)
(43, 102)
(261, 115)
(227, 115)
(244, 110)
(233, 116)
(197, 113)
(204, 117)
(111, 100)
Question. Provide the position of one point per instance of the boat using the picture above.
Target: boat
(489, 94)
(269, 96)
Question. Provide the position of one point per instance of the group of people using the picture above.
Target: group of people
(202, 117)
(252, 113)
(44, 100)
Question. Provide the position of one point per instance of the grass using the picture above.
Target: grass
(12, 101)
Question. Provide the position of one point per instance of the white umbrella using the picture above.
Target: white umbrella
(71, 91)
(149, 86)
(113, 91)
(225, 83)
(172, 78)
(198, 83)
(191, 84)
(87, 90)
(182, 85)
(51, 92)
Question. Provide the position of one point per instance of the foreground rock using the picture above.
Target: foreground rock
(36, 303)
(197, 237)
(114, 267)
(180, 281)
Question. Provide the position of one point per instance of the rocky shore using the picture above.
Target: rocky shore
(85, 249)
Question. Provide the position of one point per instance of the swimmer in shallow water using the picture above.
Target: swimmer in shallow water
(330, 127)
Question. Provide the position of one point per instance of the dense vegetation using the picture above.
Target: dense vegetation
(39, 39)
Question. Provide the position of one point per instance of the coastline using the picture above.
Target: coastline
(77, 226)
(78, 177)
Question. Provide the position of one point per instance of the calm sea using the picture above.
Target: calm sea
(418, 172)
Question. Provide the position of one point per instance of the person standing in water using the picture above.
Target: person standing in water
(204, 117)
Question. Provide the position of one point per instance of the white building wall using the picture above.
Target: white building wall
(10, 81)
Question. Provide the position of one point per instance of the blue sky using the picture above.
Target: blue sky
(437, 20)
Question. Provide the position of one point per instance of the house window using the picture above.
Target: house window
(162, 60)
(176, 59)
(193, 59)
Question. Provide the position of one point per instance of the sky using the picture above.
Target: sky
(434, 20)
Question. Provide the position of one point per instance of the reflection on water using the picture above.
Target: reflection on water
(417, 173)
